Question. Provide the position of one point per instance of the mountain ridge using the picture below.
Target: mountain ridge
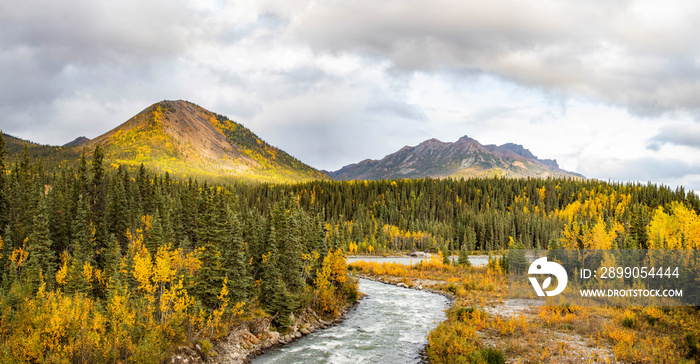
(465, 157)
(184, 139)
(76, 142)
(183, 136)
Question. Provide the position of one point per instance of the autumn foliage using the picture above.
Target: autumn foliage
(122, 264)
(105, 266)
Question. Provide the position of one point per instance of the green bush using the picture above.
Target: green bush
(463, 313)
(350, 290)
(492, 356)
(206, 347)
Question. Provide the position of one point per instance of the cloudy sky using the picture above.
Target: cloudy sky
(611, 89)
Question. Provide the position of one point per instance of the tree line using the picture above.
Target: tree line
(104, 264)
(480, 214)
(125, 264)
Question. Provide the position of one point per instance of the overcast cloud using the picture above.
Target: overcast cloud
(608, 88)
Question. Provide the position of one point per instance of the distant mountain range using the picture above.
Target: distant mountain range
(189, 141)
(464, 158)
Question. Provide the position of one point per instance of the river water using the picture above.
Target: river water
(388, 326)
(476, 261)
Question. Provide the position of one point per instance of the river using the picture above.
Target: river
(388, 326)
(476, 260)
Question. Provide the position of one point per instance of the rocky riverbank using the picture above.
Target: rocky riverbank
(417, 284)
(254, 337)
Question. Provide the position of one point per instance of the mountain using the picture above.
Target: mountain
(464, 158)
(183, 138)
(50, 155)
(77, 141)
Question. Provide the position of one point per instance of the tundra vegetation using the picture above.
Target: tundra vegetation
(480, 328)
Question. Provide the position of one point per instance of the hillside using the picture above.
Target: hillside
(50, 155)
(186, 140)
(464, 158)
(183, 138)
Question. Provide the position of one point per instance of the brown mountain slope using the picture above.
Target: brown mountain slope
(463, 158)
(183, 138)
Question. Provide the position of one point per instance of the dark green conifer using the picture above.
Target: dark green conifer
(446, 254)
(116, 213)
(210, 237)
(82, 249)
(3, 184)
(464, 256)
(156, 237)
(42, 257)
(234, 262)
(7, 247)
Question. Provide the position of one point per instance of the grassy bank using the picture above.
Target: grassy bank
(482, 328)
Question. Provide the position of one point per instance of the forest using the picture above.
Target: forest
(492, 214)
(106, 263)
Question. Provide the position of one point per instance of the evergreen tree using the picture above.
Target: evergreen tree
(111, 257)
(156, 236)
(464, 256)
(167, 223)
(82, 248)
(445, 254)
(97, 200)
(58, 206)
(211, 235)
(234, 262)
(285, 237)
(117, 214)
(81, 186)
(142, 184)
(274, 295)
(42, 258)
(7, 247)
(255, 235)
(3, 184)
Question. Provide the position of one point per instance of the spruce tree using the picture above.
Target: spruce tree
(287, 228)
(235, 263)
(82, 248)
(3, 184)
(117, 214)
(143, 185)
(167, 223)
(42, 258)
(111, 256)
(274, 295)
(210, 236)
(445, 254)
(97, 200)
(464, 256)
(81, 186)
(156, 236)
(58, 205)
(7, 247)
